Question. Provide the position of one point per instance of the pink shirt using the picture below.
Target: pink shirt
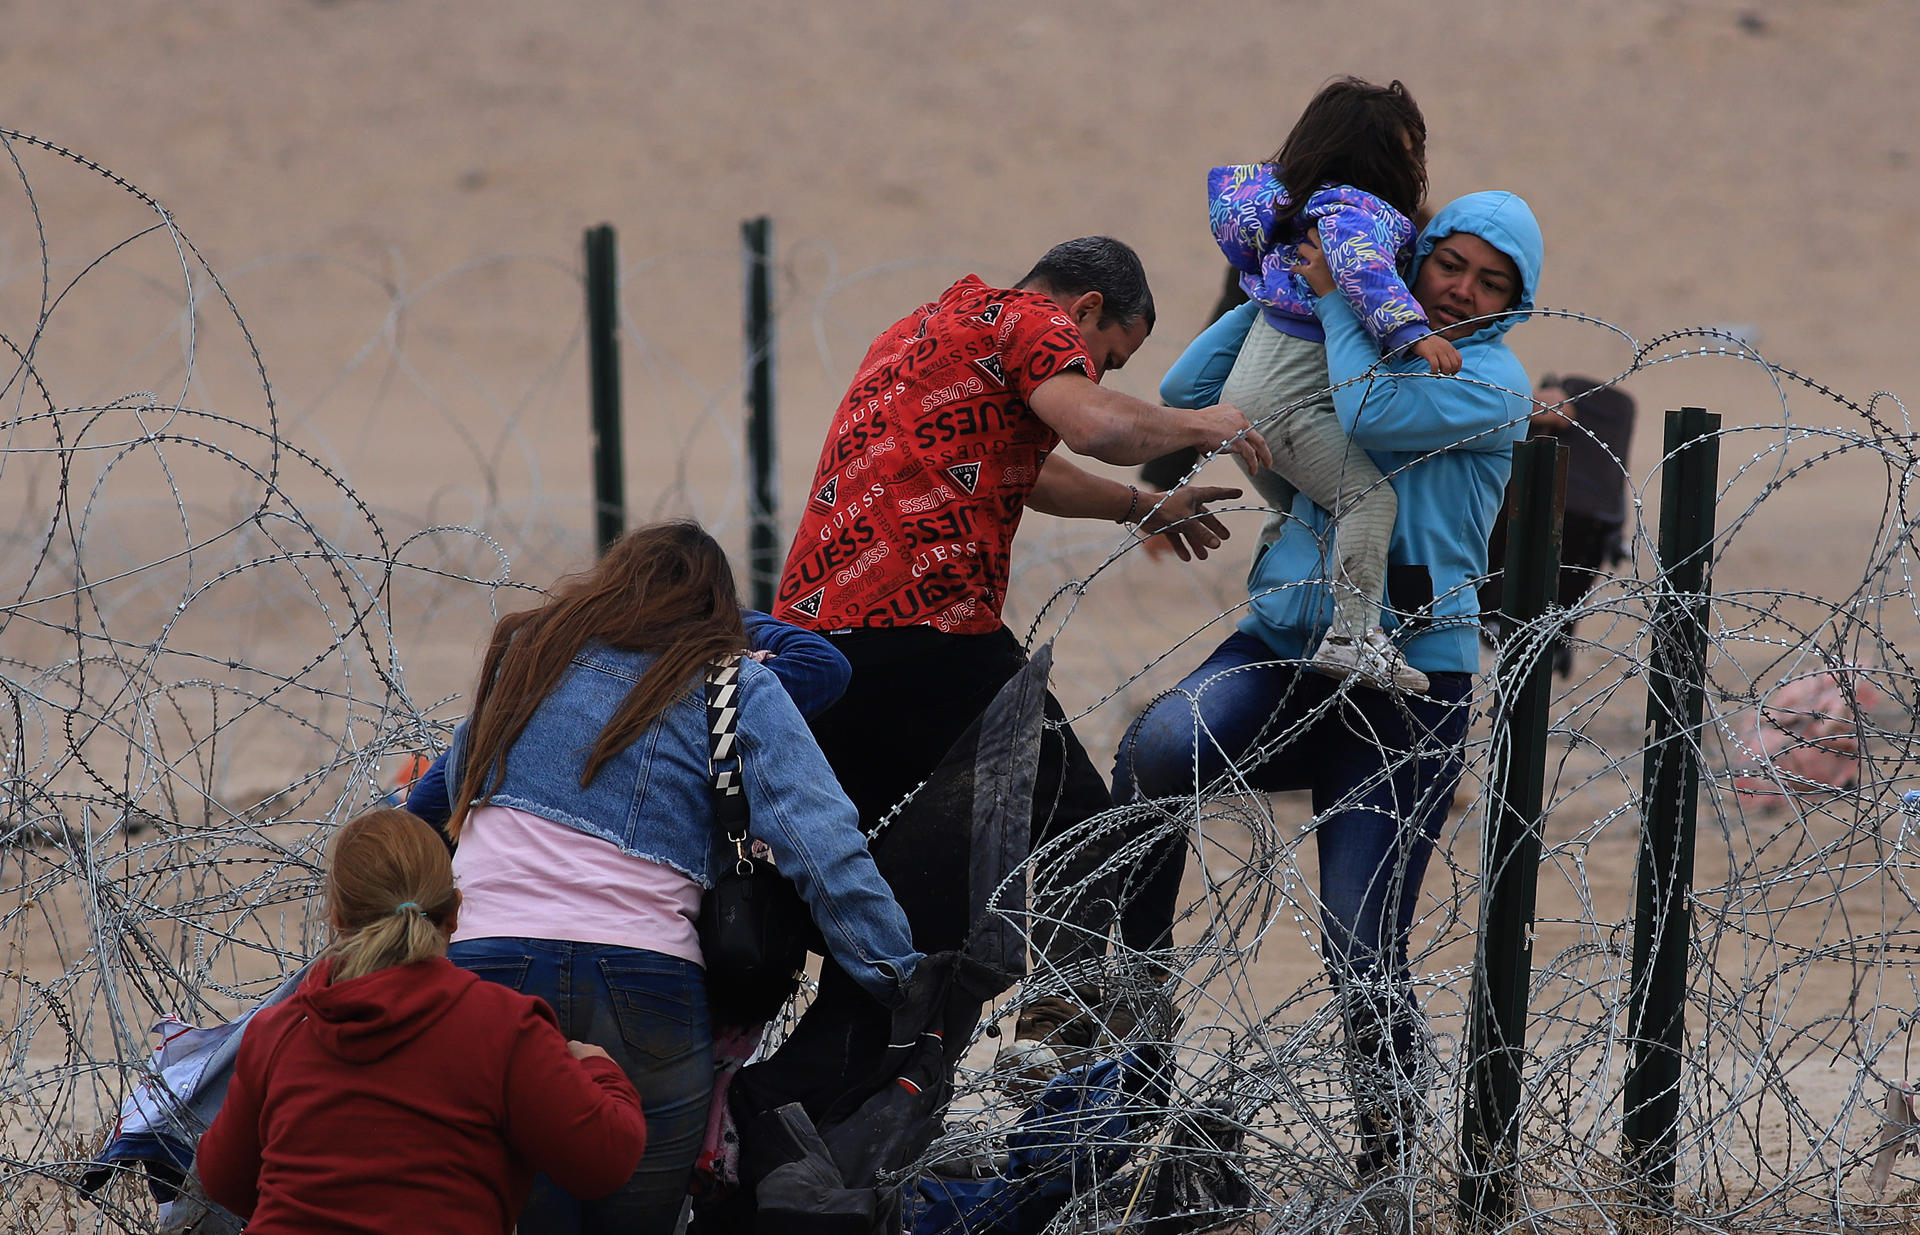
(525, 877)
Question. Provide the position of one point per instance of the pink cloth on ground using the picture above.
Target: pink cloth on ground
(526, 877)
(1803, 737)
(717, 1169)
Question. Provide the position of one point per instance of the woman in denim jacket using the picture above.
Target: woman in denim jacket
(584, 816)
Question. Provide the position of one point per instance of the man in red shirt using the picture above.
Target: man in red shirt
(946, 436)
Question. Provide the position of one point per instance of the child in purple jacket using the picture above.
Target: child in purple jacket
(1352, 171)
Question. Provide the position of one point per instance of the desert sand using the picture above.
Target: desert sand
(392, 194)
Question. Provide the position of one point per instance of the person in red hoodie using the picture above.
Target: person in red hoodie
(395, 1092)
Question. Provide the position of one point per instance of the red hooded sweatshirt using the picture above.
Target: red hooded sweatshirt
(414, 1099)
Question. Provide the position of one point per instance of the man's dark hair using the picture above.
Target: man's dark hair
(1098, 264)
(1354, 132)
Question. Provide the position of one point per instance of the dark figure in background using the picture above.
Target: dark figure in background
(1596, 423)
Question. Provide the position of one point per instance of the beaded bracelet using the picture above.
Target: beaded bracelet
(1133, 504)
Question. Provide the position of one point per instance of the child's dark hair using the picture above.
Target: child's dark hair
(1354, 132)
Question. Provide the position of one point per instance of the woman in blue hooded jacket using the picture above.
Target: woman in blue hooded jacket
(1382, 768)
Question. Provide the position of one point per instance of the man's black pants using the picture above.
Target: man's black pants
(915, 693)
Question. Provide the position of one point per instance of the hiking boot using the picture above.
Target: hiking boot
(1053, 1034)
(1382, 1212)
(1385, 1190)
(1384, 1205)
(1374, 660)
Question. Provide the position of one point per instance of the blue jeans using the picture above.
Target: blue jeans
(648, 1011)
(1382, 768)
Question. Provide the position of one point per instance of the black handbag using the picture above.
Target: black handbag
(753, 925)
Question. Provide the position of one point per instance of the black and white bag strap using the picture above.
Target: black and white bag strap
(723, 750)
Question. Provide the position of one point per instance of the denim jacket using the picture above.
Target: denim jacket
(813, 671)
(654, 800)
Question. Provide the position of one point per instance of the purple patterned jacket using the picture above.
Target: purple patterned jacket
(1366, 241)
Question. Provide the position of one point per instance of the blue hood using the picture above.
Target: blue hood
(1505, 221)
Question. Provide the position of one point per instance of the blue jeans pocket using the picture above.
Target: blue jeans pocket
(505, 968)
(659, 1003)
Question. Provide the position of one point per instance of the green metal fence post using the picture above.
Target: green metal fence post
(603, 376)
(763, 498)
(1510, 854)
(1676, 695)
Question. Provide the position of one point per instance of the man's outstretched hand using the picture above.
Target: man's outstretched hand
(1223, 423)
(1180, 521)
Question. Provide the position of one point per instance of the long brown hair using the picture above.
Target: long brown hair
(389, 893)
(1354, 132)
(666, 589)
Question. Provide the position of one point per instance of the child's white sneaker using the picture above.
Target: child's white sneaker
(1374, 660)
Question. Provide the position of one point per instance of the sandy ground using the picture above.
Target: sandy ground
(392, 194)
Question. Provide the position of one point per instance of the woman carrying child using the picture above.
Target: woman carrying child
(1350, 174)
(1382, 768)
(584, 815)
(394, 1092)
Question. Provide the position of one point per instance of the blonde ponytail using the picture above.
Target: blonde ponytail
(389, 892)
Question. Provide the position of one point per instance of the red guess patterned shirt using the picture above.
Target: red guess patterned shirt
(928, 464)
